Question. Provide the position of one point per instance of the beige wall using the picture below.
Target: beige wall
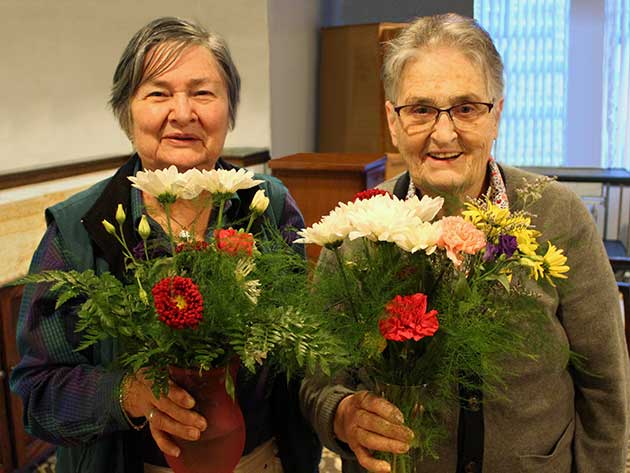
(294, 42)
(58, 58)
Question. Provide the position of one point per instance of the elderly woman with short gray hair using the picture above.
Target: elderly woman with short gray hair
(444, 97)
(175, 93)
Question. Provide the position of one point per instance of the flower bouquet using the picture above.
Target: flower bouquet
(424, 304)
(198, 304)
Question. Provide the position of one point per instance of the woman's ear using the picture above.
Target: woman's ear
(497, 110)
(392, 122)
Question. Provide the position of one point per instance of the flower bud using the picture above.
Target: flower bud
(120, 214)
(109, 227)
(260, 202)
(144, 229)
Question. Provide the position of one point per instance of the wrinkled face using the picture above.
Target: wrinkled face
(441, 158)
(181, 116)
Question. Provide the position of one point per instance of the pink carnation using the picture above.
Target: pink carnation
(459, 236)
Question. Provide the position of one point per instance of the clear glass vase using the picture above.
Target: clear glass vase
(410, 400)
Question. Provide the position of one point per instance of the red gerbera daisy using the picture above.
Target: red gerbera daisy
(408, 319)
(178, 302)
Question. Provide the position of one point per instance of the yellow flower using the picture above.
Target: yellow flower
(109, 227)
(551, 265)
(120, 214)
(555, 263)
(526, 240)
(143, 228)
(535, 264)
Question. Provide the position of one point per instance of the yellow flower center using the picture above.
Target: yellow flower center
(180, 301)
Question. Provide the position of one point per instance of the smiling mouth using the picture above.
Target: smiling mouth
(181, 138)
(444, 156)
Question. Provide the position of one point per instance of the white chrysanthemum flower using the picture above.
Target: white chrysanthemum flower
(227, 181)
(381, 218)
(425, 209)
(167, 183)
(330, 231)
(251, 288)
(423, 236)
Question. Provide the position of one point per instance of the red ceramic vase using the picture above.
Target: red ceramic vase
(220, 446)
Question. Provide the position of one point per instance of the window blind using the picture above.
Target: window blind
(533, 39)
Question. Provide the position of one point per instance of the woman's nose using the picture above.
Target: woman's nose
(444, 129)
(182, 109)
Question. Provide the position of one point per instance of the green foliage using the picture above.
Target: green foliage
(481, 324)
(273, 324)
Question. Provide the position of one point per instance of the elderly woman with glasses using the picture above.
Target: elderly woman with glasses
(444, 89)
(175, 93)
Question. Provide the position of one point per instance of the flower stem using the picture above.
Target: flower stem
(169, 227)
(346, 283)
(220, 216)
(249, 224)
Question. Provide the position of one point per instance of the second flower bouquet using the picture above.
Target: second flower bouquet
(424, 304)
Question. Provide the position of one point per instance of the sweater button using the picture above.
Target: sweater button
(473, 403)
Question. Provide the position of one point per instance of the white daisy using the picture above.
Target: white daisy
(169, 182)
(425, 209)
(224, 181)
(330, 231)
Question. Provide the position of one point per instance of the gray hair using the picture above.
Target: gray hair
(450, 30)
(175, 35)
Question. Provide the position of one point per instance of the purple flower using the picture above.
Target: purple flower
(507, 245)
(155, 251)
(491, 252)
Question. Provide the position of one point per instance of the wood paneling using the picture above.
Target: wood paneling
(319, 181)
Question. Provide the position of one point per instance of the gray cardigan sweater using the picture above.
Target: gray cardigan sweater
(555, 419)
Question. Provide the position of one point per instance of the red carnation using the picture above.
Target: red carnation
(178, 302)
(192, 246)
(234, 243)
(408, 319)
(369, 193)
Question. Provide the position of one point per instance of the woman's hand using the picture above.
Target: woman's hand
(367, 422)
(168, 415)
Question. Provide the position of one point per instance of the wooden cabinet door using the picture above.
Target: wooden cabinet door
(7, 461)
(26, 448)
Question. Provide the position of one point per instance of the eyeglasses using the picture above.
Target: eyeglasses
(464, 115)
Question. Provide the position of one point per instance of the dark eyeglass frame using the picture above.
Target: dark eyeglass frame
(439, 111)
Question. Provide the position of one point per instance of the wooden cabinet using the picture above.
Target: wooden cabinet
(351, 98)
(17, 449)
(319, 181)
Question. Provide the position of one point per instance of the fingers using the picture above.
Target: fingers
(170, 414)
(367, 422)
(367, 461)
(164, 442)
(161, 421)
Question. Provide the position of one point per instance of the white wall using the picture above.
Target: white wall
(294, 43)
(58, 58)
